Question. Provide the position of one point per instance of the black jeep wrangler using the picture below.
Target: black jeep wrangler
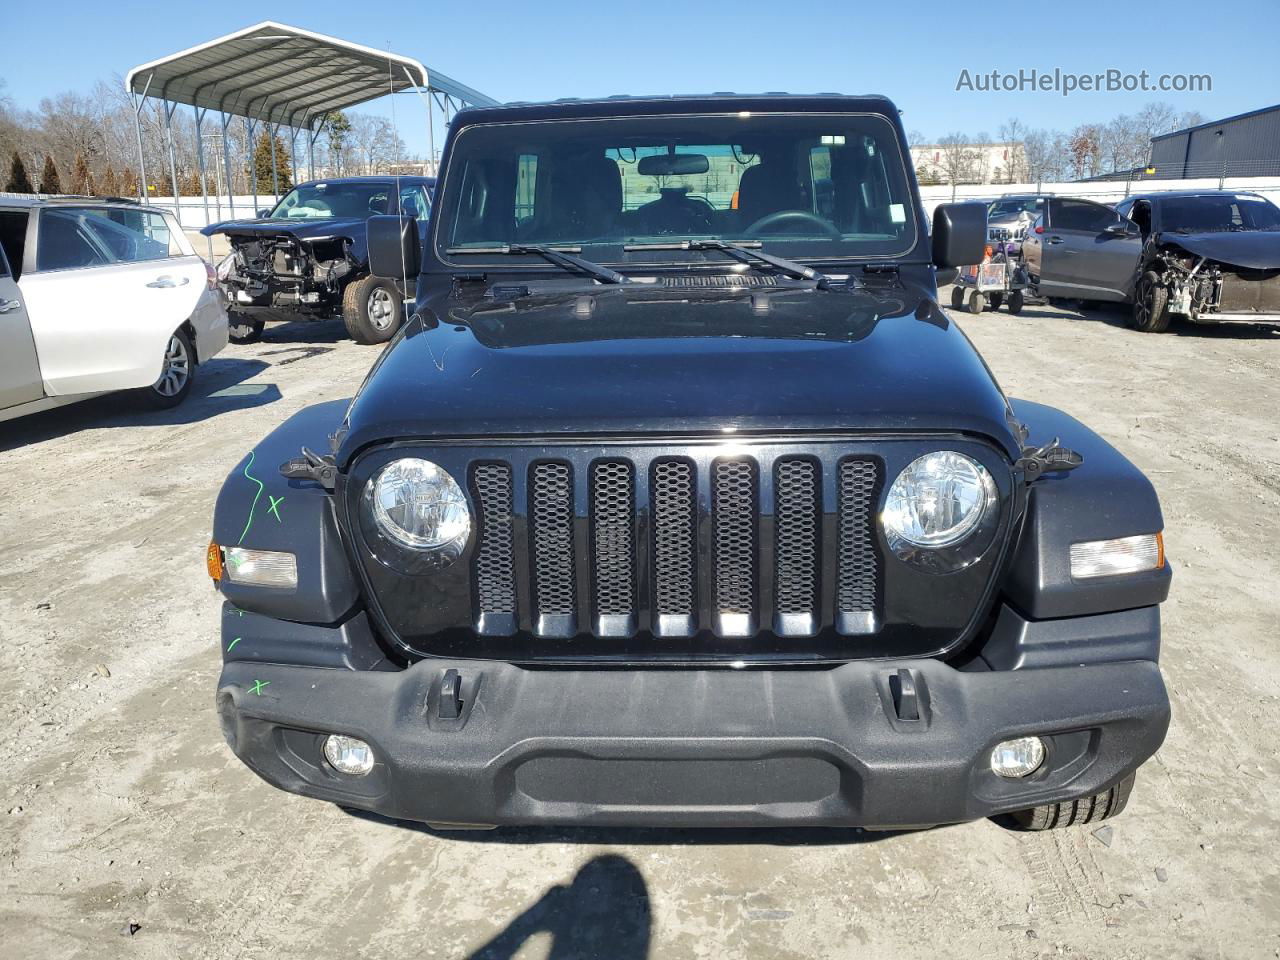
(680, 501)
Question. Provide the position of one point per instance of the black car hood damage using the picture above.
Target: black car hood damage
(318, 229)
(1249, 249)
(634, 360)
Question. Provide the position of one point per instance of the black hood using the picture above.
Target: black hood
(641, 359)
(318, 229)
(1250, 249)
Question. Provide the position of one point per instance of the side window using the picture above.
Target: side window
(4, 263)
(1081, 215)
(13, 238)
(414, 200)
(526, 186)
(132, 235)
(66, 243)
(824, 190)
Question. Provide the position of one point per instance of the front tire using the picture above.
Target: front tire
(176, 375)
(1100, 806)
(372, 310)
(1150, 305)
(240, 329)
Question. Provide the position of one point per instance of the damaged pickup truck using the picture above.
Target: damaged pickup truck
(1205, 256)
(307, 259)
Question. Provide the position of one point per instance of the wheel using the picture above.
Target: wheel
(176, 375)
(977, 302)
(1100, 806)
(957, 298)
(1016, 302)
(996, 300)
(244, 330)
(1150, 305)
(372, 310)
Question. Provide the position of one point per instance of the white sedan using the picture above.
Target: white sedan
(98, 296)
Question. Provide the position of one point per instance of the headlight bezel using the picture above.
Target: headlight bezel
(400, 553)
(965, 549)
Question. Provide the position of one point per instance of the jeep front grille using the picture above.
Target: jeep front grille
(739, 546)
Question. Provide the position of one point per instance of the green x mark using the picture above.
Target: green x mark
(258, 685)
(275, 506)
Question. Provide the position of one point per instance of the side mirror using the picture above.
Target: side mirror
(394, 248)
(959, 234)
(1122, 228)
(264, 213)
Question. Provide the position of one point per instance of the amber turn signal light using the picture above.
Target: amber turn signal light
(213, 561)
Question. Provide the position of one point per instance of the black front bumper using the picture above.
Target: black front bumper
(693, 747)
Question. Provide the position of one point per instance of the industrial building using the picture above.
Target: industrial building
(1246, 145)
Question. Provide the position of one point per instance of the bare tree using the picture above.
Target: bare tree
(960, 161)
(1013, 136)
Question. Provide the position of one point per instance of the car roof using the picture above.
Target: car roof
(26, 200)
(1192, 193)
(670, 104)
(377, 178)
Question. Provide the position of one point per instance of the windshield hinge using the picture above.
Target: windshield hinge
(312, 466)
(1050, 458)
(880, 268)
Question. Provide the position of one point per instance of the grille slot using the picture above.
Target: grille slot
(613, 548)
(551, 515)
(734, 529)
(494, 566)
(797, 546)
(720, 280)
(858, 561)
(675, 544)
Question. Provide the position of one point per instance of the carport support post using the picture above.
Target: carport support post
(173, 162)
(251, 130)
(204, 184)
(138, 103)
(226, 169)
(275, 173)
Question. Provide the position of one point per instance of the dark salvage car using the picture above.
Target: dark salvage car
(307, 258)
(679, 501)
(1204, 256)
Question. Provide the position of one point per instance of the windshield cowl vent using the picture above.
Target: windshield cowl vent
(720, 280)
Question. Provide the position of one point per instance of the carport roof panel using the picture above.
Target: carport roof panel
(283, 74)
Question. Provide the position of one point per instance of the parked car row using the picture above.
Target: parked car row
(98, 296)
(1206, 256)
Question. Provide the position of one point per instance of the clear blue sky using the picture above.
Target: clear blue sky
(912, 51)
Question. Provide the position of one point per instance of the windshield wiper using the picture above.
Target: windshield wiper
(561, 258)
(746, 252)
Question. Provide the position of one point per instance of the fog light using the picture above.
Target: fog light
(1108, 558)
(262, 568)
(348, 755)
(1017, 758)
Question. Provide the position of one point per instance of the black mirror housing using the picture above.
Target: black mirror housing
(394, 249)
(264, 213)
(959, 234)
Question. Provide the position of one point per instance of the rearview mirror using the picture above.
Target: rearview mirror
(673, 164)
(959, 234)
(394, 249)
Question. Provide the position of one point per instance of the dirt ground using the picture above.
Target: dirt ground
(129, 829)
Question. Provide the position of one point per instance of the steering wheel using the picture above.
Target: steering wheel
(794, 216)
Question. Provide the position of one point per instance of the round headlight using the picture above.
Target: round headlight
(938, 500)
(417, 505)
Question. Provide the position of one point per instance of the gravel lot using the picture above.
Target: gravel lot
(122, 806)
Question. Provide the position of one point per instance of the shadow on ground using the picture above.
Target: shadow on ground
(219, 388)
(603, 913)
(645, 836)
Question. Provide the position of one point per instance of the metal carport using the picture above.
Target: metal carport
(281, 77)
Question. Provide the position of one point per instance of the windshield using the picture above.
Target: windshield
(1209, 213)
(814, 186)
(1014, 205)
(320, 201)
